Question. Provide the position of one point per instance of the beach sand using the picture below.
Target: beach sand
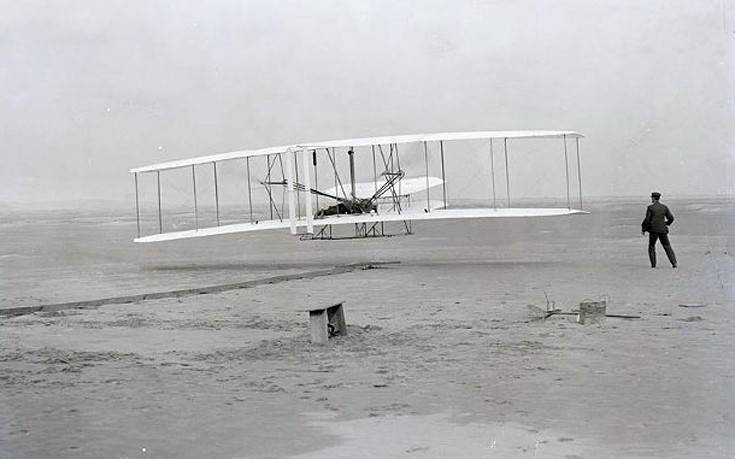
(443, 357)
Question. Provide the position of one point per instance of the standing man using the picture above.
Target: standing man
(657, 221)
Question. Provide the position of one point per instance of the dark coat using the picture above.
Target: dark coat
(658, 218)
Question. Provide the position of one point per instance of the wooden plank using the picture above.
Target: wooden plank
(318, 326)
(90, 304)
(336, 318)
(592, 311)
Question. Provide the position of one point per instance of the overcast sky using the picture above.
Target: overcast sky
(92, 88)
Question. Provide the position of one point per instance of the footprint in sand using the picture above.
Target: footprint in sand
(692, 319)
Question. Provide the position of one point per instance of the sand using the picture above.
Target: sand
(444, 358)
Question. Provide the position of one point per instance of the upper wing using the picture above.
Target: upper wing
(441, 136)
(364, 141)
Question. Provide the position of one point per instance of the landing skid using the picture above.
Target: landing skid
(362, 231)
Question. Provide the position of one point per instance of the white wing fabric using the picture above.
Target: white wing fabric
(405, 186)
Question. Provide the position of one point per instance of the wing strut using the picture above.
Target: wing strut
(307, 198)
(250, 193)
(444, 178)
(507, 174)
(492, 172)
(316, 177)
(137, 204)
(283, 176)
(268, 179)
(398, 164)
(375, 170)
(290, 190)
(194, 186)
(216, 190)
(566, 170)
(428, 190)
(579, 173)
(160, 219)
(351, 155)
(296, 175)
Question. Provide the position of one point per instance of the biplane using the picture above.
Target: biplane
(282, 189)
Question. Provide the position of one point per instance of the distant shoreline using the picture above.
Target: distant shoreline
(115, 207)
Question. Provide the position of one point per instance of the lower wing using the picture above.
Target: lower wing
(417, 212)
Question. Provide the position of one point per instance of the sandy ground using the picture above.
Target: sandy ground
(444, 358)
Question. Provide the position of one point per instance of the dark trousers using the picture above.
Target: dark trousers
(664, 238)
